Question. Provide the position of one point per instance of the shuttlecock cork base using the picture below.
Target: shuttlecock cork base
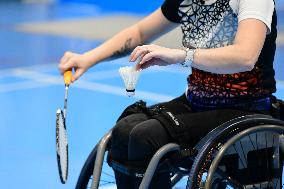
(130, 77)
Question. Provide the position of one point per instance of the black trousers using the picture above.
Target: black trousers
(137, 137)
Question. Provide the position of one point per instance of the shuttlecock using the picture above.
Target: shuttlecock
(130, 77)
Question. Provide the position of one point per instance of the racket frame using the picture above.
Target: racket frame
(60, 114)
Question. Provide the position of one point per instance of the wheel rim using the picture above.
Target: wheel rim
(244, 157)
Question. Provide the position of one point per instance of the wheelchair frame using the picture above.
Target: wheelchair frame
(236, 128)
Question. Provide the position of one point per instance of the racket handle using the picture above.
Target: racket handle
(67, 77)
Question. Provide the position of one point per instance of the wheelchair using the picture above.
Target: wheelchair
(244, 153)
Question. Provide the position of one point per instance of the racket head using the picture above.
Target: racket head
(61, 146)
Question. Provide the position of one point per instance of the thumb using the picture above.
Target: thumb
(78, 73)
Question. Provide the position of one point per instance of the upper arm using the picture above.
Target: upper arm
(250, 38)
(154, 25)
(255, 19)
(260, 9)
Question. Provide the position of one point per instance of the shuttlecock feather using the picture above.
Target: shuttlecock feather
(130, 77)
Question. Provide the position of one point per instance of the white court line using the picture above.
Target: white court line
(35, 75)
(10, 71)
(121, 91)
(99, 75)
(43, 80)
(22, 86)
(46, 67)
(107, 74)
(91, 75)
(38, 79)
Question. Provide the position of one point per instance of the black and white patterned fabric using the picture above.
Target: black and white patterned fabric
(214, 24)
(207, 26)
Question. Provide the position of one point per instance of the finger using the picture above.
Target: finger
(134, 52)
(60, 68)
(139, 55)
(138, 48)
(71, 63)
(148, 64)
(137, 67)
(148, 57)
(63, 61)
(67, 55)
(78, 73)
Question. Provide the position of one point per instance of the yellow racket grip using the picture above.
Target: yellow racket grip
(67, 77)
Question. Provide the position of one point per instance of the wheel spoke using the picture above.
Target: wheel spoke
(108, 174)
(259, 147)
(105, 182)
(234, 146)
(256, 141)
(245, 157)
(230, 180)
(251, 142)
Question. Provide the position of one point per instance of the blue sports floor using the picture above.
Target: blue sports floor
(31, 89)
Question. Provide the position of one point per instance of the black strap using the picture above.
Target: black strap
(174, 126)
(160, 112)
(137, 107)
(136, 169)
(126, 169)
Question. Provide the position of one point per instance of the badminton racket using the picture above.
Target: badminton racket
(61, 133)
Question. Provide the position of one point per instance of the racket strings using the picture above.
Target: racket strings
(62, 146)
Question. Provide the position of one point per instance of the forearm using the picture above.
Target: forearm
(118, 46)
(239, 57)
(224, 60)
(121, 44)
(124, 42)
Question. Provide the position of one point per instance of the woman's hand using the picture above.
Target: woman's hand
(150, 55)
(80, 62)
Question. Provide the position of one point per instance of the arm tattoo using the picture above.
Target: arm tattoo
(126, 49)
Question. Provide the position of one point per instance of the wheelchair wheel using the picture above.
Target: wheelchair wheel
(252, 161)
(86, 175)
